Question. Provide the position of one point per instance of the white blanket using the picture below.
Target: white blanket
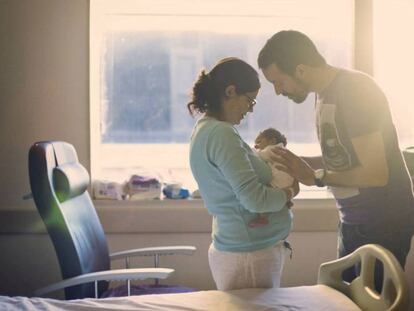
(318, 297)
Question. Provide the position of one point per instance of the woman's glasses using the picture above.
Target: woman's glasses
(252, 102)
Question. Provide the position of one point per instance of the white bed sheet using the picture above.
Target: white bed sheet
(303, 298)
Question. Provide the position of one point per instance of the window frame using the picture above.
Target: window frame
(362, 60)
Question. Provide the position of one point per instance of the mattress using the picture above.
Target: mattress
(317, 297)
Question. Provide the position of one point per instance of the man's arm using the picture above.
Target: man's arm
(372, 170)
(314, 162)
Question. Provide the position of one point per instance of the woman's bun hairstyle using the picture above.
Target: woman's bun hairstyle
(203, 94)
(209, 88)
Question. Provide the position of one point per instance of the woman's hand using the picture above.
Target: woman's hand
(291, 192)
(293, 165)
(295, 188)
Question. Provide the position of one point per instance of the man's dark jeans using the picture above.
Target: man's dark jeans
(396, 237)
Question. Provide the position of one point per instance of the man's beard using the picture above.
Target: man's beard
(299, 98)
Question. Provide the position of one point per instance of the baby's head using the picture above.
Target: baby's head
(268, 137)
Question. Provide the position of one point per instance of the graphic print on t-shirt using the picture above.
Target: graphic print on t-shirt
(335, 155)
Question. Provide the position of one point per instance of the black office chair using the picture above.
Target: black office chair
(58, 183)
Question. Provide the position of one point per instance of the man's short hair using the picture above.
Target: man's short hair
(287, 49)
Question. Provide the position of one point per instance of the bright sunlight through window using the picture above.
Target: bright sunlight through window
(145, 56)
(394, 61)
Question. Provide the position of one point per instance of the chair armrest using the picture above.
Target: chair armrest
(154, 251)
(110, 275)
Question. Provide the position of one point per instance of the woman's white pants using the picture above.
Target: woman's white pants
(257, 269)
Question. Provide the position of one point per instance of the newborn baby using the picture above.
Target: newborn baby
(263, 144)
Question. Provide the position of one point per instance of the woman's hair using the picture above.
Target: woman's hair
(271, 133)
(287, 49)
(209, 88)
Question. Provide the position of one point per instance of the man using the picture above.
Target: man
(361, 161)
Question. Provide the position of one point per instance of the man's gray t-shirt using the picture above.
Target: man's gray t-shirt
(352, 106)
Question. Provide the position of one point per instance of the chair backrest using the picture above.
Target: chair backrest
(58, 183)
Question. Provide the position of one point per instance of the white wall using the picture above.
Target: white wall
(28, 260)
(31, 261)
(44, 82)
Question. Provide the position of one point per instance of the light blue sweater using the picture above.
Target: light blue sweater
(232, 182)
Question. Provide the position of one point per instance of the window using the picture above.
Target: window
(394, 62)
(145, 56)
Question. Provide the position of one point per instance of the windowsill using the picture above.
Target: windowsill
(312, 212)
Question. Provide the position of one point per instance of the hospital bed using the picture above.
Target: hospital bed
(331, 293)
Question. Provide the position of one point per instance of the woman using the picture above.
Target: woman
(233, 181)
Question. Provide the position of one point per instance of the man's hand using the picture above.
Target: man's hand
(290, 163)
